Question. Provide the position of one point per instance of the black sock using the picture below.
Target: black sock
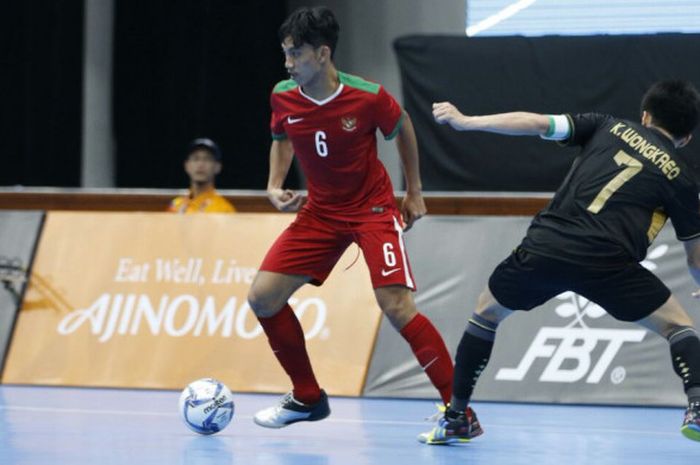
(685, 355)
(473, 354)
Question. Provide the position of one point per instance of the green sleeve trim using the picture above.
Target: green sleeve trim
(358, 83)
(397, 128)
(284, 86)
(550, 129)
(279, 136)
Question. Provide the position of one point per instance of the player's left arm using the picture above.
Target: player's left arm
(413, 205)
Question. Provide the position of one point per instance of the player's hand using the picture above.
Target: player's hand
(446, 113)
(412, 209)
(285, 200)
(696, 294)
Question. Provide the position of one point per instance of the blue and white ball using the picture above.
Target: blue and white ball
(206, 406)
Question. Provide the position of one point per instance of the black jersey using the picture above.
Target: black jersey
(625, 183)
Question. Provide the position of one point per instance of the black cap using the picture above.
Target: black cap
(205, 143)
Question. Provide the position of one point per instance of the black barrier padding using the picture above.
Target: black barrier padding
(607, 74)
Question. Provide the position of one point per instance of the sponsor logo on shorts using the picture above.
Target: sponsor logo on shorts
(386, 273)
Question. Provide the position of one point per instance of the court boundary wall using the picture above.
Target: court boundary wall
(157, 200)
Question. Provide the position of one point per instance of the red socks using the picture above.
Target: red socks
(286, 337)
(430, 350)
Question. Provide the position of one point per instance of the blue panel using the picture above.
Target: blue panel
(583, 17)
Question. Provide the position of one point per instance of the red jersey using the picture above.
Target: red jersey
(335, 143)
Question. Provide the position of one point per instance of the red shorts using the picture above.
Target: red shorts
(311, 246)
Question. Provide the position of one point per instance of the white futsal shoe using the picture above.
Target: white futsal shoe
(290, 410)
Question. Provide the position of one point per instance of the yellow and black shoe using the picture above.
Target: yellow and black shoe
(691, 422)
(453, 428)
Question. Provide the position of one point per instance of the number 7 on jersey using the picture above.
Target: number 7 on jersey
(633, 167)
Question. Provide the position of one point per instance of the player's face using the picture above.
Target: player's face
(202, 167)
(303, 63)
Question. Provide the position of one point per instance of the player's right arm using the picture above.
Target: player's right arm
(517, 123)
(281, 156)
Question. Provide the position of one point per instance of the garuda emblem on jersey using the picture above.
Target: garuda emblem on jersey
(349, 123)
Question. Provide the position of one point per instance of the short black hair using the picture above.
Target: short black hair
(315, 26)
(674, 105)
(206, 144)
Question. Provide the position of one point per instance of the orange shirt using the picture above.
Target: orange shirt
(206, 202)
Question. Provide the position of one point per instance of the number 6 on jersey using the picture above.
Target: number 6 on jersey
(321, 146)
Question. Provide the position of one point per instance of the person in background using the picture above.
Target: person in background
(202, 164)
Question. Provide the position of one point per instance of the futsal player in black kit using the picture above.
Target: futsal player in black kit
(625, 183)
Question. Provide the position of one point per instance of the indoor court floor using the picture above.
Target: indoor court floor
(72, 426)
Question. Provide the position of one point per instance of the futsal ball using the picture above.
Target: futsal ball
(206, 406)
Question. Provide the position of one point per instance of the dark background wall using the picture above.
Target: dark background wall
(186, 69)
(191, 69)
(181, 70)
(607, 74)
(41, 68)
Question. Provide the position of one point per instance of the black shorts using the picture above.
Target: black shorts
(525, 280)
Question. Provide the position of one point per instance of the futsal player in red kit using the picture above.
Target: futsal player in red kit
(328, 120)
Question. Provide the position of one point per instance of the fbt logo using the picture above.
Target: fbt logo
(569, 349)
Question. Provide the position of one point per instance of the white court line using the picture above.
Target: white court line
(174, 414)
(84, 411)
(502, 15)
(426, 424)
